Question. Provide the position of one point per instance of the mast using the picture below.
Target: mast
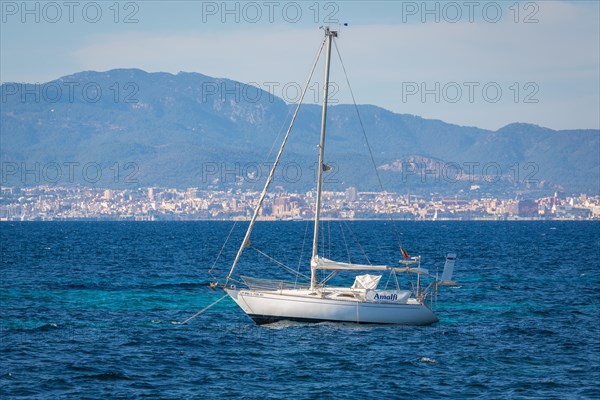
(329, 35)
(246, 241)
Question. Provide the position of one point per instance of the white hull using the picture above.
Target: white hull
(299, 305)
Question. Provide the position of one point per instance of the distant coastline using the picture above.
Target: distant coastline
(46, 203)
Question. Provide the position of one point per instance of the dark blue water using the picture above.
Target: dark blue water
(86, 311)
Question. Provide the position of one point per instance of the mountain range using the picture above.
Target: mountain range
(129, 128)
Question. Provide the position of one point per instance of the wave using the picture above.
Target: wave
(107, 376)
(182, 285)
(44, 328)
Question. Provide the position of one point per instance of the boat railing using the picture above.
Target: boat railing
(271, 284)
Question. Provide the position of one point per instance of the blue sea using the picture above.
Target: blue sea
(87, 312)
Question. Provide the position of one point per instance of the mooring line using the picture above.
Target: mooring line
(198, 313)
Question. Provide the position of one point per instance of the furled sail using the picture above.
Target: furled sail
(330, 265)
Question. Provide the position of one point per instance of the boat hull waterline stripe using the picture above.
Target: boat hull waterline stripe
(270, 319)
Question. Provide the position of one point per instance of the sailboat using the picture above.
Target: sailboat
(267, 301)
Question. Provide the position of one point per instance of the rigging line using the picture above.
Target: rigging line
(328, 277)
(301, 252)
(362, 126)
(357, 242)
(329, 237)
(236, 281)
(325, 241)
(221, 251)
(388, 281)
(322, 237)
(396, 279)
(200, 312)
(290, 270)
(321, 244)
(283, 124)
(266, 162)
(345, 242)
(272, 171)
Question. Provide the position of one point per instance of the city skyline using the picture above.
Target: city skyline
(150, 204)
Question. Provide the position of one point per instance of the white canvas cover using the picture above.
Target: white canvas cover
(366, 281)
(324, 263)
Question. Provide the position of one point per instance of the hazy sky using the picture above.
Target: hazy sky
(472, 63)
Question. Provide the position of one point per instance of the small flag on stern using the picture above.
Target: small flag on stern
(404, 253)
(326, 167)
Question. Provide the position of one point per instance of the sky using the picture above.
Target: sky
(484, 64)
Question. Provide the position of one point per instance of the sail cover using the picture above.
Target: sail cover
(324, 263)
(366, 281)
